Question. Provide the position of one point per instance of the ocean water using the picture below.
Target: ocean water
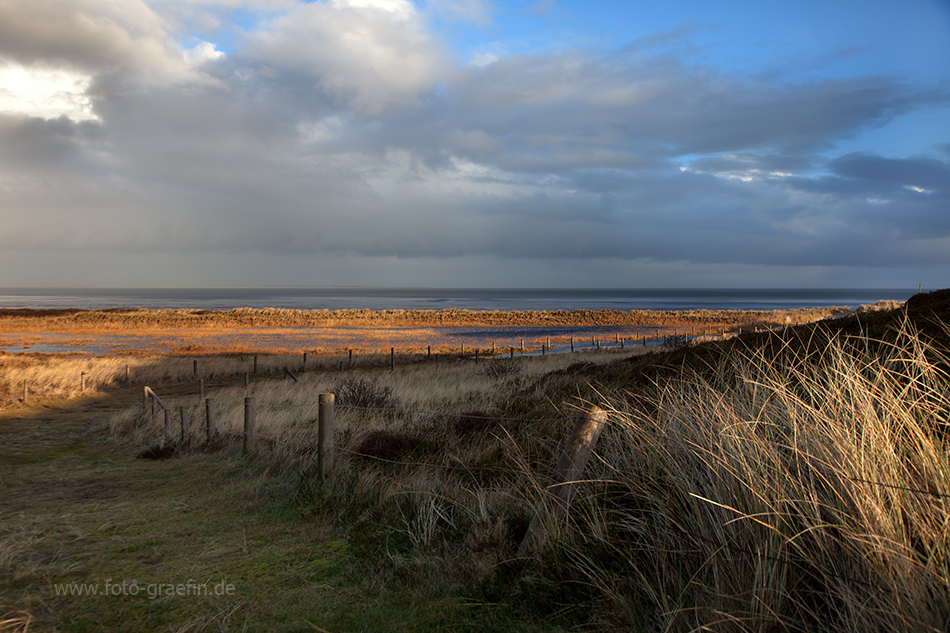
(338, 298)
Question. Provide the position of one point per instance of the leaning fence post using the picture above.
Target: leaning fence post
(569, 469)
(250, 424)
(325, 424)
(26, 392)
(209, 418)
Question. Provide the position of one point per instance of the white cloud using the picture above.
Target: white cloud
(45, 93)
(398, 8)
(89, 35)
(368, 55)
(202, 53)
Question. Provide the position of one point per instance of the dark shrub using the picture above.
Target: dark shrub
(390, 445)
(367, 394)
(501, 368)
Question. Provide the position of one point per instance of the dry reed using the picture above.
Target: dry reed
(795, 492)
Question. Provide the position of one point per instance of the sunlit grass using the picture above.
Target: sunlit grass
(796, 492)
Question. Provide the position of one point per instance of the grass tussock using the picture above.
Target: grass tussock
(785, 492)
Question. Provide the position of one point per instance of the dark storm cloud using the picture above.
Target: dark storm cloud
(301, 143)
(879, 172)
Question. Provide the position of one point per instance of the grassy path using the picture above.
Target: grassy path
(199, 542)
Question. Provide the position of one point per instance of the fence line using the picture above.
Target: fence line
(450, 414)
(566, 475)
(677, 336)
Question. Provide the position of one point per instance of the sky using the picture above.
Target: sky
(475, 143)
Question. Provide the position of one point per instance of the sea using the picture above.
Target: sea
(341, 298)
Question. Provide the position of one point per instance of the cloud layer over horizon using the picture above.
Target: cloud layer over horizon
(346, 142)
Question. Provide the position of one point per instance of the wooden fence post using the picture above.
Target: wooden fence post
(82, 381)
(196, 369)
(247, 381)
(184, 426)
(168, 424)
(255, 363)
(128, 380)
(392, 358)
(572, 344)
(209, 419)
(325, 429)
(569, 469)
(250, 424)
(201, 388)
(26, 392)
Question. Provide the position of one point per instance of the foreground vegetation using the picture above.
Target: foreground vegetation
(773, 482)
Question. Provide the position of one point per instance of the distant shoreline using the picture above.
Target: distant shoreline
(163, 332)
(93, 321)
(478, 299)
